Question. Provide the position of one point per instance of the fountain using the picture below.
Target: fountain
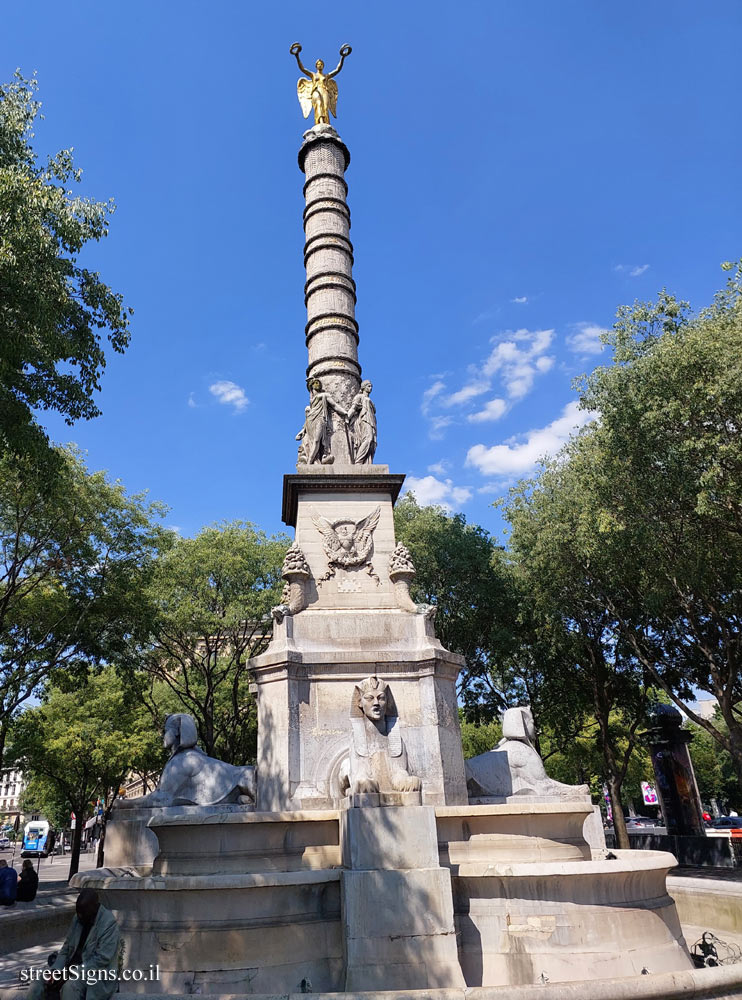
(362, 855)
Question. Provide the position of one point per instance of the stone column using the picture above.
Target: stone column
(330, 292)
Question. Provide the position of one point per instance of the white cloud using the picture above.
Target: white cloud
(519, 455)
(192, 402)
(429, 490)
(230, 394)
(429, 395)
(633, 270)
(586, 338)
(520, 299)
(437, 427)
(438, 468)
(493, 410)
(469, 391)
(519, 359)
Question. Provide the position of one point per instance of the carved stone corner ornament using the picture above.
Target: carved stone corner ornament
(296, 574)
(401, 573)
(348, 544)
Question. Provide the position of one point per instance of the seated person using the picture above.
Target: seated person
(92, 942)
(8, 884)
(28, 882)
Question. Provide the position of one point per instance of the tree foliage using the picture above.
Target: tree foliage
(79, 744)
(75, 556)
(667, 498)
(52, 310)
(588, 669)
(212, 597)
(463, 571)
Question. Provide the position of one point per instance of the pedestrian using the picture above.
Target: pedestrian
(92, 945)
(8, 884)
(28, 882)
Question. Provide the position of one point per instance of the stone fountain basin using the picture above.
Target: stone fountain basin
(242, 841)
(247, 902)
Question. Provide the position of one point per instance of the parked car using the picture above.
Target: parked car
(727, 823)
(5, 844)
(635, 822)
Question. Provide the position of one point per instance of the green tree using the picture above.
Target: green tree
(79, 744)
(52, 310)
(714, 768)
(75, 557)
(667, 498)
(589, 670)
(212, 596)
(463, 572)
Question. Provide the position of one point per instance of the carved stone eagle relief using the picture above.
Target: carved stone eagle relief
(347, 543)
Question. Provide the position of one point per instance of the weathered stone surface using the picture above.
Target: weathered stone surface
(389, 838)
(406, 938)
(568, 921)
(226, 842)
(265, 932)
(473, 838)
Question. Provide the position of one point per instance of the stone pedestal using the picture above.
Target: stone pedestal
(352, 626)
(397, 902)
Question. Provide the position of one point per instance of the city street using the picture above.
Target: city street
(53, 870)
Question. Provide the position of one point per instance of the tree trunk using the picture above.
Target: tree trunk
(103, 828)
(619, 823)
(735, 738)
(76, 841)
(4, 726)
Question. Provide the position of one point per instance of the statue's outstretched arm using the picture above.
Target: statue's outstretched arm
(295, 50)
(337, 408)
(345, 51)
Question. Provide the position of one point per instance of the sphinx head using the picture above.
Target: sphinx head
(373, 699)
(180, 733)
(517, 724)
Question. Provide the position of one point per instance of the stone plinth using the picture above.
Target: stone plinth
(305, 682)
(396, 902)
(352, 626)
(131, 841)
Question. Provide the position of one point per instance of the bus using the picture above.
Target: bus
(38, 839)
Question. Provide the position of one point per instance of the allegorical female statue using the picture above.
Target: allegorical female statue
(362, 420)
(316, 434)
(319, 92)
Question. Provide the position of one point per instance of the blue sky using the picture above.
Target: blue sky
(518, 171)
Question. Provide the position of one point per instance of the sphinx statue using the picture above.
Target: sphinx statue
(378, 758)
(190, 777)
(513, 769)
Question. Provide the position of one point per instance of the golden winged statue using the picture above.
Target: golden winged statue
(318, 91)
